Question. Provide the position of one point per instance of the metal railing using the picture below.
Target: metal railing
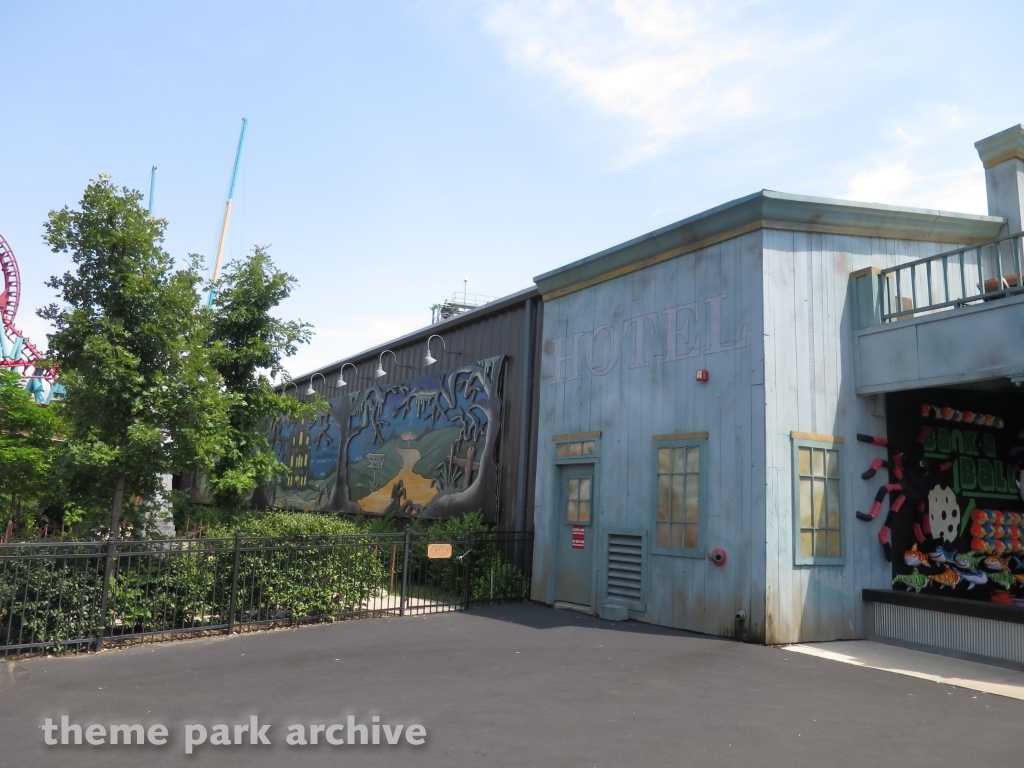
(66, 597)
(981, 272)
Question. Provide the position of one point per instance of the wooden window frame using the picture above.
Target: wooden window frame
(581, 458)
(577, 470)
(701, 443)
(835, 444)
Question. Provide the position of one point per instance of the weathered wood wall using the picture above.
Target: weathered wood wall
(796, 374)
(809, 387)
(631, 402)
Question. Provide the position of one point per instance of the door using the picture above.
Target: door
(576, 540)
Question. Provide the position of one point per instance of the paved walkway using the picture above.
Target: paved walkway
(925, 666)
(519, 686)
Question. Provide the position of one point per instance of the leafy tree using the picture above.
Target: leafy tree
(251, 345)
(131, 342)
(28, 448)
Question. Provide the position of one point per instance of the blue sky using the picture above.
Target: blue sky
(395, 147)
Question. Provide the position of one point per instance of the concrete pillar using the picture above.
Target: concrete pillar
(1003, 158)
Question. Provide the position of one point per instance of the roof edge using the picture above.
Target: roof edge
(768, 209)
(423, 333)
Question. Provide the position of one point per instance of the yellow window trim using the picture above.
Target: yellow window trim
(834, 439)
(577, 436)
(680, 436)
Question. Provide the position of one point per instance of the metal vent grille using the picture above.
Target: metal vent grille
(625, 568)
(971, 635)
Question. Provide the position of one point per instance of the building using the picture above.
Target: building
(697, 423)
(423, 439)
(703, 386)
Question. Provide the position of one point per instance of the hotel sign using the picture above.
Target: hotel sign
(682, 332)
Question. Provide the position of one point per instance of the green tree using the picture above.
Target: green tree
(131, 342)
(29, 445)
(250, 346)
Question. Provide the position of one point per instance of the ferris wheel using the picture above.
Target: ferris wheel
(16, 351)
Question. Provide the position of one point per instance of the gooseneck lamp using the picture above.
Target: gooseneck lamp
(429, 359)
(380, 364)
(341, 375)
(310, 392)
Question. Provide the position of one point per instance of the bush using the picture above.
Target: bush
(51, 600)
(291, 567)
(305, 573)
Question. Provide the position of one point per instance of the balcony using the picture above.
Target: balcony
(953, 318)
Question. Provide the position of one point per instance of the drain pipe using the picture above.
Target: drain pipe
(738, 630)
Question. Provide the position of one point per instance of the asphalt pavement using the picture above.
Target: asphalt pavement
(521, 685)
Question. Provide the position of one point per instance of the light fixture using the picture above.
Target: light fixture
(341, 375)
(380, 364)
(310, 392)
(429, 359)
(289, 384)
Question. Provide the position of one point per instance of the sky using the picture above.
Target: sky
(396, 148)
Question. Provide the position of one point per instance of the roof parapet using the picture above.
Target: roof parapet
(769, 210)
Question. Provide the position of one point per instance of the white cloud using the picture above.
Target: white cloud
(672, 68)
(883, 183)
(898, 183)
(652, 61)
(915, 169)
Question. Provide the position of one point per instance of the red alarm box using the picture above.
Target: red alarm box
(702, 374)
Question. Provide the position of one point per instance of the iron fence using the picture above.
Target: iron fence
(65, 597)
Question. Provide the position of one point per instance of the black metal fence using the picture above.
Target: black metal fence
(63, 597)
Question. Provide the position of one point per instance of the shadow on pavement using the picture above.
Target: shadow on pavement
(540, 616)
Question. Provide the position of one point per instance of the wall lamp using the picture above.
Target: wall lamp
(380, 364)
(309, 390)
(289, 384)
(429, 359)
(341, 375)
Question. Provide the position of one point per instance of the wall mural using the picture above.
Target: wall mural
(955, 524)
(423, 447)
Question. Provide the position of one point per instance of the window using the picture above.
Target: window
(680, 504)
(577, 506)
(577, 448)
(818, 518)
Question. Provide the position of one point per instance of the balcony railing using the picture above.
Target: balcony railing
(953, 279)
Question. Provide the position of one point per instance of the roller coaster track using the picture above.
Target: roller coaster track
(27, 355)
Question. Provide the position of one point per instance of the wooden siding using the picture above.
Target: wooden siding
(809, 387)
(505, 331)
(631, 405)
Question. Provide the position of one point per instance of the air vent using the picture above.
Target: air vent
(625, 569)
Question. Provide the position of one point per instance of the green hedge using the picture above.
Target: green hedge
(291, 567)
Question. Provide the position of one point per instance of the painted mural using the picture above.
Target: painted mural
(955, 523)
(423, 447)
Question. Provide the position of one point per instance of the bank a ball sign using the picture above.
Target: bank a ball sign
(971, 500)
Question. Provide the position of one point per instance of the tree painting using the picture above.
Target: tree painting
(421, 447)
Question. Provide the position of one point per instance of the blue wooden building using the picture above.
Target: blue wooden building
(701, 392)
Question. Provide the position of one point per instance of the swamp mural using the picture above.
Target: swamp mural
(423, 447)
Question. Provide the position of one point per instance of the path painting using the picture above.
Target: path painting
(422, 447)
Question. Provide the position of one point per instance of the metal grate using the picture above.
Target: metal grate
(970, 635)
(625, 568)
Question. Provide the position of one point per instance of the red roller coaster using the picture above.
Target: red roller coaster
(19, 353)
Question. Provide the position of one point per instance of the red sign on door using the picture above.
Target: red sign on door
(579, 537)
